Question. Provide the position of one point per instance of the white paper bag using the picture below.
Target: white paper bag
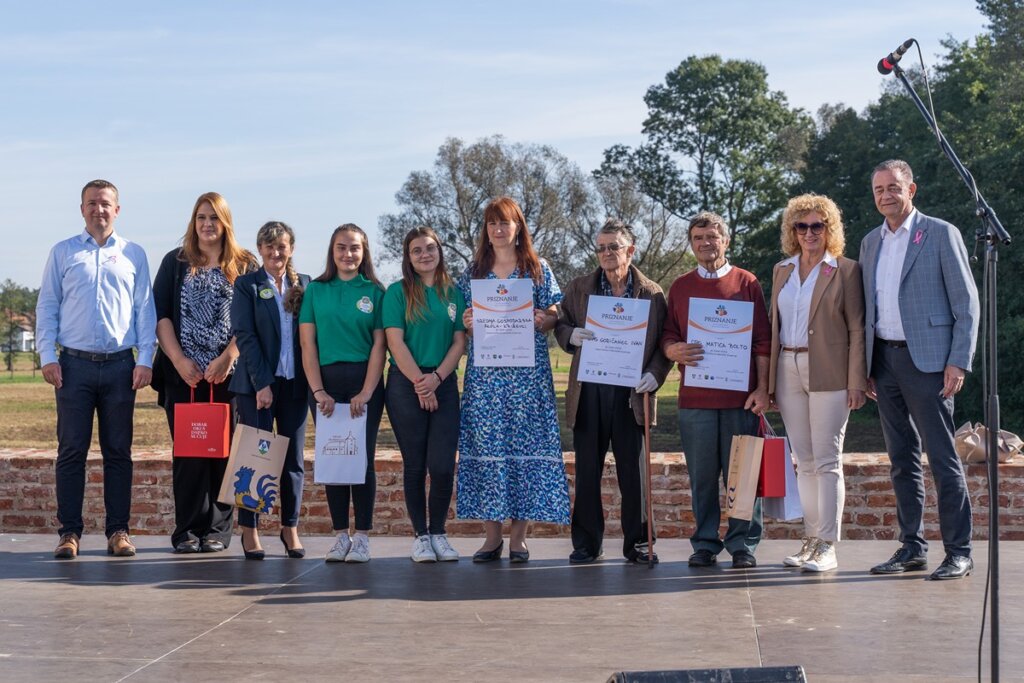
(787, 508)
(340, 446)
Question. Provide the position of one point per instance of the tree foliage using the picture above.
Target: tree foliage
(17, 307)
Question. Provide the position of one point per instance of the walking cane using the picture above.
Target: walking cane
(650, 496)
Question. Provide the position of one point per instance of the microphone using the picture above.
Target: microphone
(888, 63)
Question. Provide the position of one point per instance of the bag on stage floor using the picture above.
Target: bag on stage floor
(340, 447)
(202, 430)
(971, 443)
(744, 471)
(252, 478)
(774, 459)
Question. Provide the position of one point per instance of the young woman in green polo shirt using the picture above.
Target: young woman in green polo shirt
(343, 355)
(423, 323)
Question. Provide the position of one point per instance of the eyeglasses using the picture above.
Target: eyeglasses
(614, 247)
(815, 228)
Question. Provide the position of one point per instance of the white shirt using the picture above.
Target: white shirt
(710, 275)
(286, 361)
(888, 271)
(795, 301)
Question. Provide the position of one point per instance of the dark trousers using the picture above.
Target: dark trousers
(343, 381)
(706, 436)
(605, 417)
(911, 407)
(290, 413)
(196, 481)
(428, 442)
(103, 388)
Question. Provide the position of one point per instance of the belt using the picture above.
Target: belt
(892, 343)
(97, 357)
(795, 349)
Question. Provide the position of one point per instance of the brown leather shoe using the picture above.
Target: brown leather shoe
(120, 544)
(67, 549)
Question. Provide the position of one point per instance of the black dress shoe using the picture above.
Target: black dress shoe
(294, 553)
(489, 555)
(252, 554)
(640, 556)
(743, 559)
(953, 567)
(519, 556)
(187, 547)
(581, 556)
(903, 560)
(703, 558)
(211, 546)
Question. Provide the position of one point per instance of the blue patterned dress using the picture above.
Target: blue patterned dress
(510, 451)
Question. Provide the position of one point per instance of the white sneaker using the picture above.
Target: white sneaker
(823, 558)
(340, 549)
(803, 555)
(443, 549)
(360, 551)
(422, 550)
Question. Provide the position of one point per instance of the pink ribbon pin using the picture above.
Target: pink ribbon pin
(827, 270)
(917, 236)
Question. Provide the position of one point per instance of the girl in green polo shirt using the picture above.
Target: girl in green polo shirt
(423, 323)
(343, 356)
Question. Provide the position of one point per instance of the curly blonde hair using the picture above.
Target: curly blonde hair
(831, 216)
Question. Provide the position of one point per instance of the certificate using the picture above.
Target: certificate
(616, 353)
(723, 328)
(503, 323)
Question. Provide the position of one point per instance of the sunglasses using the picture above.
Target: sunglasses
(815, 228)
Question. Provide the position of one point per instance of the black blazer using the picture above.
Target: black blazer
(256, 324)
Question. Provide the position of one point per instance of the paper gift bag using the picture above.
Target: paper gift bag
(252, 479)
(340, 447)
(744, 471)
(788, 507)
(774, 459)
(202, 430)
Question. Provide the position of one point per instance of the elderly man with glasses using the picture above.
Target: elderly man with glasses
(603, 414)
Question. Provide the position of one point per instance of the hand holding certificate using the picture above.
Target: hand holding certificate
(503, 324)
(616, 353)
(723, 328)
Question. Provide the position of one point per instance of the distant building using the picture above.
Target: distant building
(24, 337)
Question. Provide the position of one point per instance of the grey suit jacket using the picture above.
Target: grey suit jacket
(938, 298)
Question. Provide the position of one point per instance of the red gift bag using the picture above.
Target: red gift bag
(202, 430)
(774, 460)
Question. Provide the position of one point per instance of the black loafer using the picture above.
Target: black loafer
(903, 560)
(702, 558)
(211, 546)
(187, 547)
(742, 559)
(581, 556)
(489, 555)
(519, 556)
(953, 567)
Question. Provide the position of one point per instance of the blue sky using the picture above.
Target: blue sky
(315, 113)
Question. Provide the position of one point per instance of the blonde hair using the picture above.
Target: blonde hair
(831, 216)
(234, 260)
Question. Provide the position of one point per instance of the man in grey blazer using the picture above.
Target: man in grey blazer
(921, 325)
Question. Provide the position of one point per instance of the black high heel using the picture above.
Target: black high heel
(518, 556)
(252, 554)
(294, 553)
(489, 555)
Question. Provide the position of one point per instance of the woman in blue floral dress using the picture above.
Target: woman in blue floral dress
(510, 452)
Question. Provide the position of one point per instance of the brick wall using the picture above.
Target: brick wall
(28, 504)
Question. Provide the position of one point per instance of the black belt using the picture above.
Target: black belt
(97, 357)
(892, 343)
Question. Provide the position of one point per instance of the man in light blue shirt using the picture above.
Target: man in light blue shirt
(96, 304)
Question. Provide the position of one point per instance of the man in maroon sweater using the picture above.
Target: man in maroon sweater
(709, 418)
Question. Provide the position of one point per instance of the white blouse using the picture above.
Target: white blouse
(794, 301)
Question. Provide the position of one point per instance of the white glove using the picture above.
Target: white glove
(647, 384)
(580, 335)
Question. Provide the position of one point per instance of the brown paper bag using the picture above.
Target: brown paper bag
(252, 479)
(744, 471)
(971, 443)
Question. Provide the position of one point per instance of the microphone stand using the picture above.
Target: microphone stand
(991, 232)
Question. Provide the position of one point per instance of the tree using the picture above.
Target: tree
(17, 304)
(716, 138)
(554, 194)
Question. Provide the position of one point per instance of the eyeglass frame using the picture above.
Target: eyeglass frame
(815, 228)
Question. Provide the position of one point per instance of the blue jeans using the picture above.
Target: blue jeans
(707, 438)
(103, 388)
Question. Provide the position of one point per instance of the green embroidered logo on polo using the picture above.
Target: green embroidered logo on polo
(365, 305)
(451, 312)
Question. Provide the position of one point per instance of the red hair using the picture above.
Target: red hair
(527, 260)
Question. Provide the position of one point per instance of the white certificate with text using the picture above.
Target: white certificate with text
(503, 323)
(723, 327)
(616, 353)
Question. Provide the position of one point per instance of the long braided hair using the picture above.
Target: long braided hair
(269, 233)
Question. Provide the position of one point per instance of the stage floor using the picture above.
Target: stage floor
(162, 617)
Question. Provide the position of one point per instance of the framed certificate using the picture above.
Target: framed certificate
(723, 327)
(503, 323)
(616, 353)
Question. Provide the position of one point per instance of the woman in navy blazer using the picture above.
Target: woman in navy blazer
(269, 381)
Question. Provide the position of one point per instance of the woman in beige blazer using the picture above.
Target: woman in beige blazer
(817, 373)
